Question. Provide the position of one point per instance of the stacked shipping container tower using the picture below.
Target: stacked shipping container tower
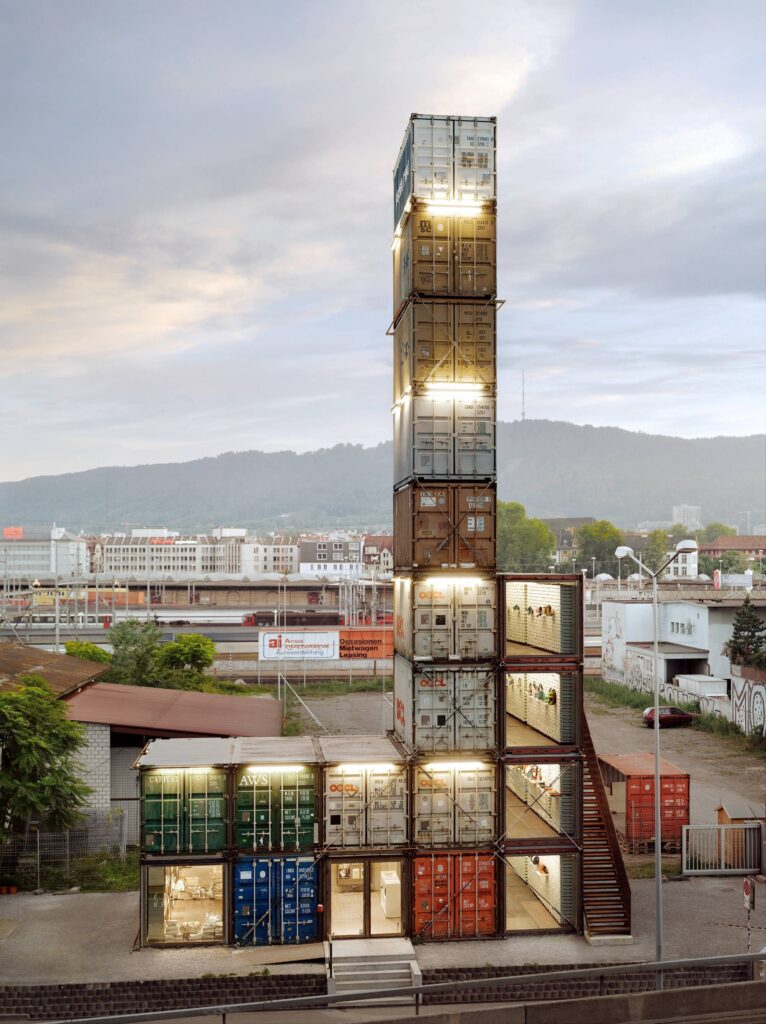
(496, 793)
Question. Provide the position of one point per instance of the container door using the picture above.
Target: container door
(206, 818)
(253, 816)
(434, 814)
(348, 885)
(298, 900)
(162, 811)
(475, 894)
(297, 811)
(387, 809)
(475, 812)
(475, 710)
(344, 807)
(433, 885)
(434, 710)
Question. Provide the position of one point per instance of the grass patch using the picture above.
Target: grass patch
(110, 874)
(94, 872)
(645, 868)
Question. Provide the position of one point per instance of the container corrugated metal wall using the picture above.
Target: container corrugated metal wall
(448, 526)
(454, 895)
(275, 809)
(455, 805)
(275, 901)
(445, 707)
(441, 619)
(366, 806)
(546, 701)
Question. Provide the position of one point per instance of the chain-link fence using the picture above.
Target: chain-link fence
(60, 860)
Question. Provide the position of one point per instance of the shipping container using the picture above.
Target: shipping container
(445, 618)
(454, 895)
(275, 808)
(439, 708)
(629, 783)
(445, 253)
(275, 900)
(440, 527)
(444, 438)
(541, 799)
(444, 344)
(183, 810)
(366, 805)
(546, 702)
(183, 903)
(542, 892)
(542, 618)
(445, 159)
(455, 805)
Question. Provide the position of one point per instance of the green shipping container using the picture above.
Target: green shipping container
(183, 811)
(275, 809)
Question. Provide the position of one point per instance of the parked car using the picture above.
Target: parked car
(669, 716)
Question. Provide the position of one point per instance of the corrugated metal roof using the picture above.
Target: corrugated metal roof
(190, 753)
(640, 764)
(153, 709)
(62, 673)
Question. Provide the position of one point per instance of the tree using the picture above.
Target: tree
(135, 647)
(747, 635)
(39, 772)
(656, 549)
(598, 540)
(88, 652)
(730, 561)
(522, 543)
(190, 652)
(713, 531)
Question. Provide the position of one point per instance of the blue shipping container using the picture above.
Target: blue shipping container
(275, 900)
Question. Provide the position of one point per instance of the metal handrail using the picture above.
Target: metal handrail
(411, 991)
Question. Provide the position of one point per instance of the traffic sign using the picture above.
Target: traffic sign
(748, 891)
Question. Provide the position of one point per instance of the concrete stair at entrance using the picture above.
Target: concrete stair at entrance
(372, 965)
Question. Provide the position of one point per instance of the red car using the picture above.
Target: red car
(669, 716)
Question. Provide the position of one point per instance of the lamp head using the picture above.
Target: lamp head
(685, 547)
(623, 552)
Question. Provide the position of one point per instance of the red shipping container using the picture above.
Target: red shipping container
(629, 781)
(454, 895)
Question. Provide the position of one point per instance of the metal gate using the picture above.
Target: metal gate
(721, 849)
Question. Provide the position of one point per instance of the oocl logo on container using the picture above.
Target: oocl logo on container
(344, 787)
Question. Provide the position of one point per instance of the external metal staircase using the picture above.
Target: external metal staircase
(605, 885)
(372, 966)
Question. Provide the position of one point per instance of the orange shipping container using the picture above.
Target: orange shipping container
(454, 895)
(444, 526)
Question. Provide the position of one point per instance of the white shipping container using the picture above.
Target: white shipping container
(445, 158)
(438, 619)
(545, 616)
(455, 805)
(444, 438)
(365, 806)
(546, 701)
(445, 708)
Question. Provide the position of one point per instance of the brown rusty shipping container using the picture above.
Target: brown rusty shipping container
(444, 343)
(445, 254)
(444, 526)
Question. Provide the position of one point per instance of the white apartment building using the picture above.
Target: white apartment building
(31, 553)
(333, 554)
(684, 567)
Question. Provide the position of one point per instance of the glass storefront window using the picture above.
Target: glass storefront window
(541, 892)
(184, 903)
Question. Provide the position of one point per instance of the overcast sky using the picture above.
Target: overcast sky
(196, 216)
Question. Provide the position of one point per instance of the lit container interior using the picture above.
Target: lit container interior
(540, 799)
(540, 708)
(184, 904)
(541, 892)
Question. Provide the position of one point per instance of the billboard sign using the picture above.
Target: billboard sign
(295, 645)
(13, 533)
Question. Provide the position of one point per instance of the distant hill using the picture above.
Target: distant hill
(553, 468)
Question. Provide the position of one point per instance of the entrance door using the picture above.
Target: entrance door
(365, 898)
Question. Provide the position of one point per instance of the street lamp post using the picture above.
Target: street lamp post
(682, 548)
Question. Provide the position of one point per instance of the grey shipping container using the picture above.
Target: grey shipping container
(444, 527)
(445, 158)
(444, 438)
(440, 254)
(542, 618)
(455, 805)
(444, 343)
(440, 708)
(365, 805)
(445, 618)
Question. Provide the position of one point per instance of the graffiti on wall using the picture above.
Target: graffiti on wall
(748, 699)
(639, 673)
